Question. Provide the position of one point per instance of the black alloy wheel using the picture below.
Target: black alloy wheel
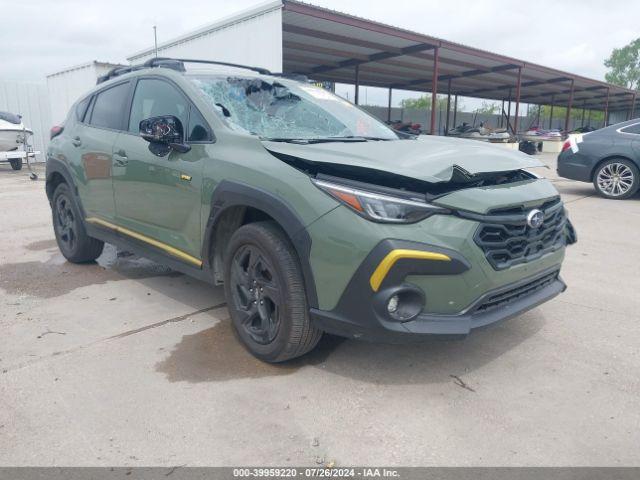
(265, 292)
(66, 223)
(72, 238)
(256, 294)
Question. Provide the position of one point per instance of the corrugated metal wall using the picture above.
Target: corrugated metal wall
(31, 101)
(255, 41)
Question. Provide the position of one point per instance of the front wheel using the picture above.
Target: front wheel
(616, 179)
(265, 294)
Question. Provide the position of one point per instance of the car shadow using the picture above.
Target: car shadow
(214, 354)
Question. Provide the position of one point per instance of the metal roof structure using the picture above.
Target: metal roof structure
(333, 46)
(327, 45)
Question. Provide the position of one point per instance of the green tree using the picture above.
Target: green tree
(424, 103)
(624, 65)
(488, 108)
(596, 117)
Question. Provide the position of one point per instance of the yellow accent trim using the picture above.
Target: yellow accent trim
(143, 238)
(394, 255)
(185, 177)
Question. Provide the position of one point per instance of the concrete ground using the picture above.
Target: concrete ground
(127, 363)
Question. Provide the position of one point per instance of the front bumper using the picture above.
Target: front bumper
(361, 312)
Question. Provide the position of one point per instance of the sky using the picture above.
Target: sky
(39, 37)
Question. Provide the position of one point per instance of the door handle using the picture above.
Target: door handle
(76, 142)
(120, 159)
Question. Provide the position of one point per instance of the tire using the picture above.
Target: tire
(16, 163)
(68, 225)
(616, 179)
(265, 294)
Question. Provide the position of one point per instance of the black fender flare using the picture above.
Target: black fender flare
(235, 194)
(54, 166)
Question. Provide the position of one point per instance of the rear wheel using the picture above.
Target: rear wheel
(71, 236)
(265, 294)
(617, 179)
(16, 163)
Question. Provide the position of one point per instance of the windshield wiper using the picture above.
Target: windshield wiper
(306, 141)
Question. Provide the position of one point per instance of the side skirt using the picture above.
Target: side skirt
(139, 248)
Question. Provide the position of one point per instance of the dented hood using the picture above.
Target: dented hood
(431, 159)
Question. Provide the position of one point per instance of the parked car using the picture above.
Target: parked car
(314, 215)
(609, 157)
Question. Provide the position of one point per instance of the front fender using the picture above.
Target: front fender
(228, 194)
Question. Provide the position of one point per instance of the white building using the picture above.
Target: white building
(66, 86)
(252, 37)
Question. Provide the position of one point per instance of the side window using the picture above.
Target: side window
(108, 107)
(81, 108)
(154, 98)
(632, 129)
(198, 128)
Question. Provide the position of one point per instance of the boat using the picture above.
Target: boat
(481, 133)
(537, 134)
(13, 133)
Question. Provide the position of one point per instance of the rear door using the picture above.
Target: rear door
(93, 139)
(161, 196)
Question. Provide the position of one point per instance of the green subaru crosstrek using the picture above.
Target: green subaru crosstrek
(314, 215)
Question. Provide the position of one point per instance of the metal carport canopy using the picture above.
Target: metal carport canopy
(331, 46)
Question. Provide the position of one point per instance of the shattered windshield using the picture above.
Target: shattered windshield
(287, 110)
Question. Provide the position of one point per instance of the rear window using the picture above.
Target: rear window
(108, 107)
(81, 108)
(632, 129)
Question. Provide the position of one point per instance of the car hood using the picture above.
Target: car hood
(430, 159)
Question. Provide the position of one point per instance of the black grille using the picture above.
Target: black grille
(509, 296)
(507, 240)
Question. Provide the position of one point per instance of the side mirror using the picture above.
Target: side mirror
(164, 133)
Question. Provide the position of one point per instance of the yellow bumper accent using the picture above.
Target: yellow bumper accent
(143, 238)
(394, 255)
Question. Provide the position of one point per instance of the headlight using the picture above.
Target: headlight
(379, 207)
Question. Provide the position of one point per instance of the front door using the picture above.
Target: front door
(159, 197)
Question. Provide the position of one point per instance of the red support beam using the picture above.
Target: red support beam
(515, 122)
(553, 101)
(434, 90)
(569, 105)
(509, 113)
(446, 128)
(455, 110)
(606, 108)
(357, 85)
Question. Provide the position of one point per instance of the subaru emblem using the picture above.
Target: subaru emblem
(535, 218)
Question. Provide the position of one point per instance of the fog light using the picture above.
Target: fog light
(392, 305)
(402, 303)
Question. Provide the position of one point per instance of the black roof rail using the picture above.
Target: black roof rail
(262, 71)
(174, 64)
(299, 77)
(114, 72)
(164, 62)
